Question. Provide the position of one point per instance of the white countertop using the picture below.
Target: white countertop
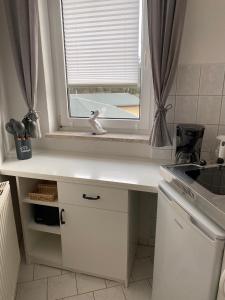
(125, 173)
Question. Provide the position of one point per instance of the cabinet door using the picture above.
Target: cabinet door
(95, 241)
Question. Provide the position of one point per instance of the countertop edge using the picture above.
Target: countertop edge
(96, 182)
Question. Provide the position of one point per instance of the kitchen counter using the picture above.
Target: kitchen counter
(125, 173)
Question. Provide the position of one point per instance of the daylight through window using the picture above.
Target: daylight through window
(103, 57)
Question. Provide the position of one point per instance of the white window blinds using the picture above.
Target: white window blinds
(101, 41)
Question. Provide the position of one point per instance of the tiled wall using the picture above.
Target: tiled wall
(198, 96)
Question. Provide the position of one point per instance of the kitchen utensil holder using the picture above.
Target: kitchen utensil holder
(23, 148)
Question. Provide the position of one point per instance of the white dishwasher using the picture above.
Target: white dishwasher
(221, 291)
(189, 250)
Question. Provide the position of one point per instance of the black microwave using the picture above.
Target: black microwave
(46, 215)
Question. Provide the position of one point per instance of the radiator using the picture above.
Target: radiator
(9, 248)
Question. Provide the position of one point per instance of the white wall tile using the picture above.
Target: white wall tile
(208, 156)
(188, 77)
(222, 113)
(209, 109)
(212, 79)
(186, 108)
(174, 87)
(221, 130)
(209, 138)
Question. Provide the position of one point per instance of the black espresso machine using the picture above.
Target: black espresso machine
(189, 143)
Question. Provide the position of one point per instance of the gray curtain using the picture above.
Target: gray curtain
(165, 25)
(23, 24)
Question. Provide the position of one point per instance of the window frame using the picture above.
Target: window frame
(143, 124)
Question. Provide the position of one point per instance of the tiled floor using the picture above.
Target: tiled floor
(38, 282)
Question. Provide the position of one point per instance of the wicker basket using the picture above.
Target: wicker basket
(44, 192)
(47, 187)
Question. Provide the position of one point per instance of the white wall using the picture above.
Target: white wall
(203, 36)
(202, 43)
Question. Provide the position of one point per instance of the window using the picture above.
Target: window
(100, 54)
(103, 57)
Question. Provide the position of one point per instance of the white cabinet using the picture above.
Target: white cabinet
(95, 235)
(94, 241)
(97, 232)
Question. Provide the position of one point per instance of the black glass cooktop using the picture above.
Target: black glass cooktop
(213, 179)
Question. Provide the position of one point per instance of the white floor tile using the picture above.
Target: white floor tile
(142, 269)
(61, 286)
(145, 251)
(66, 272)
(41, 271)
(139, 290)
(68, 285)
(110, 283)
(34, 290)
(87, 283)
(88, 296)
(26, 272)
(114, 293)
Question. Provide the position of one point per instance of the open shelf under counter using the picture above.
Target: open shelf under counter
(45, 203)
(47, 250)
(44, 228)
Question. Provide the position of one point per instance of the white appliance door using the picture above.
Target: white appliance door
(221, 291)
(188, 254)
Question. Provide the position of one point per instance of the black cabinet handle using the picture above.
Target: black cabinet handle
(90, 198)
(61, 217)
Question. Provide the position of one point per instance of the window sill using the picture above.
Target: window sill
(110, 137)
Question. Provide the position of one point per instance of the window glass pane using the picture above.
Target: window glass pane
(103, 57)
(112, 102)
